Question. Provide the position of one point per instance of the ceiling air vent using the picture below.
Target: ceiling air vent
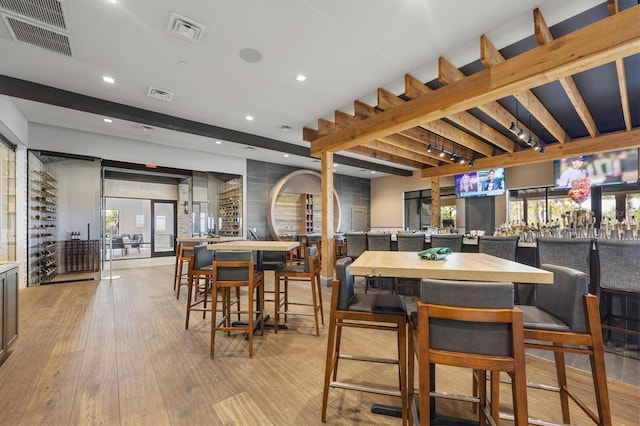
(49, 12)
(148, 130)
(33, 35)
(185, 28)
(163, 95)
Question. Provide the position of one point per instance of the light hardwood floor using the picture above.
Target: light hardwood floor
(116, 353)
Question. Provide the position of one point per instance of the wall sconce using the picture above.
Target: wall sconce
(186, 207)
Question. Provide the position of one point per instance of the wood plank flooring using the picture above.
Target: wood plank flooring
(116, 353)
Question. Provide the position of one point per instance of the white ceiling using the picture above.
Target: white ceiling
(346, 48)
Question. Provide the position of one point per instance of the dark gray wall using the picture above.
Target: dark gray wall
(261, 177)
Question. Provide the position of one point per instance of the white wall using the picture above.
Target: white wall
(387, 206)
(58, 139)
(13, 125)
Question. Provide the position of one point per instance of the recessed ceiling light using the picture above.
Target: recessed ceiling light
(373, 172)
(301, 77)
(108, 120)
(286, 155)
(249, 148)
(183, 64)
(113, 1)
(335, 164)
(249, 118)
(218, 142)
(108, 79)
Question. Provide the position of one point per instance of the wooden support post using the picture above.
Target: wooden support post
(435, 202)
(328, 242)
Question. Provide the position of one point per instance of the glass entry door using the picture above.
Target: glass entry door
(163, 228)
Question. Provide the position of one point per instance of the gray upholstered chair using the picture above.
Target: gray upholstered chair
(199, 270)
(574, 253)
(619, 276)
(233, 270)
(308, 272)
(408, 241)
(356, 243)
(384, 312)
(377, 241)
(452, 241)
(506, 248)
(467, 324)
(566, 318)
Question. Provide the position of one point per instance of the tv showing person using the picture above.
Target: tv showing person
(492, 183)
(467, 183)
(576, 171)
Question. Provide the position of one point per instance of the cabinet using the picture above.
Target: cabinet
(43, 253)
(8, 309)
(81, 256)
(230, 210)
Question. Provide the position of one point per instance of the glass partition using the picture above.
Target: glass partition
(7, 202)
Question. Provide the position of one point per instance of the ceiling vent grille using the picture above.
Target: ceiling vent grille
(49, 12)
(146, 129)
(163, 95)
(33, 35)
(185, 28)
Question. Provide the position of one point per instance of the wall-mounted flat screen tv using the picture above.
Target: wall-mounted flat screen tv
(606, 168)
(481, 183)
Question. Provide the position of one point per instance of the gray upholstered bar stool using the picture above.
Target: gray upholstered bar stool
(356, 243)
(452, 241)
(574, 253)
(377, 312)
(619, 276)
(377, 241)
(506, 248)
(409, 241)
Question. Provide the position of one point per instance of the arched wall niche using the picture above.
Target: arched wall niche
(295, 205)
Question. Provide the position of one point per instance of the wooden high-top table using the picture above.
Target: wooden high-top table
(457, 266)
(258, 246)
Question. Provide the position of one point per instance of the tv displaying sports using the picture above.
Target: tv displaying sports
(605, 168)
(481, 183)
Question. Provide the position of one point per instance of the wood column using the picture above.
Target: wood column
(328, 242)
(435, 201)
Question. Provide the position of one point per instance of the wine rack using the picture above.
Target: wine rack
(81, 256)
(308, 215)
(43, 248)
(230, 209)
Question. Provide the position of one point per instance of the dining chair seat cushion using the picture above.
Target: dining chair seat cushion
(378, 303)
(538, 319)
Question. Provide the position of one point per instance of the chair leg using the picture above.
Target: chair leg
(561, 374)
(598, 371)
(214, 307)
(402, 360)
(319, 288)
(495, 395)
(189, 295)
(250, 293)
(314, 299)
(482, 395)
(329, 367)
(411, 388)
(276, 303)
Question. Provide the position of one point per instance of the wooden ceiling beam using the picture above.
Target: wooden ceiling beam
(612, 5)
(467, 142)
(490, 56)
(604, 41)
(588, 145)
(379, 155)
(544, 36)
(415, 138)
(414, 88)
(447, 74)
(393, 144)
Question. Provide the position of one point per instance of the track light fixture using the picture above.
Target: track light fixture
(429, 148)
(453, 157)
(471, 163)
(526, 137)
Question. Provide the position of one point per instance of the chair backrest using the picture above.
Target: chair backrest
(202, 257)
(619, 265)
(346, 289)
(379, 241)
(311, 262)
(452, 241)
(356, 243)
(117, 242)
(410, 241)
(565, 298)
(572, 253)
(485, 338)
(504, 247)
(228, 273)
